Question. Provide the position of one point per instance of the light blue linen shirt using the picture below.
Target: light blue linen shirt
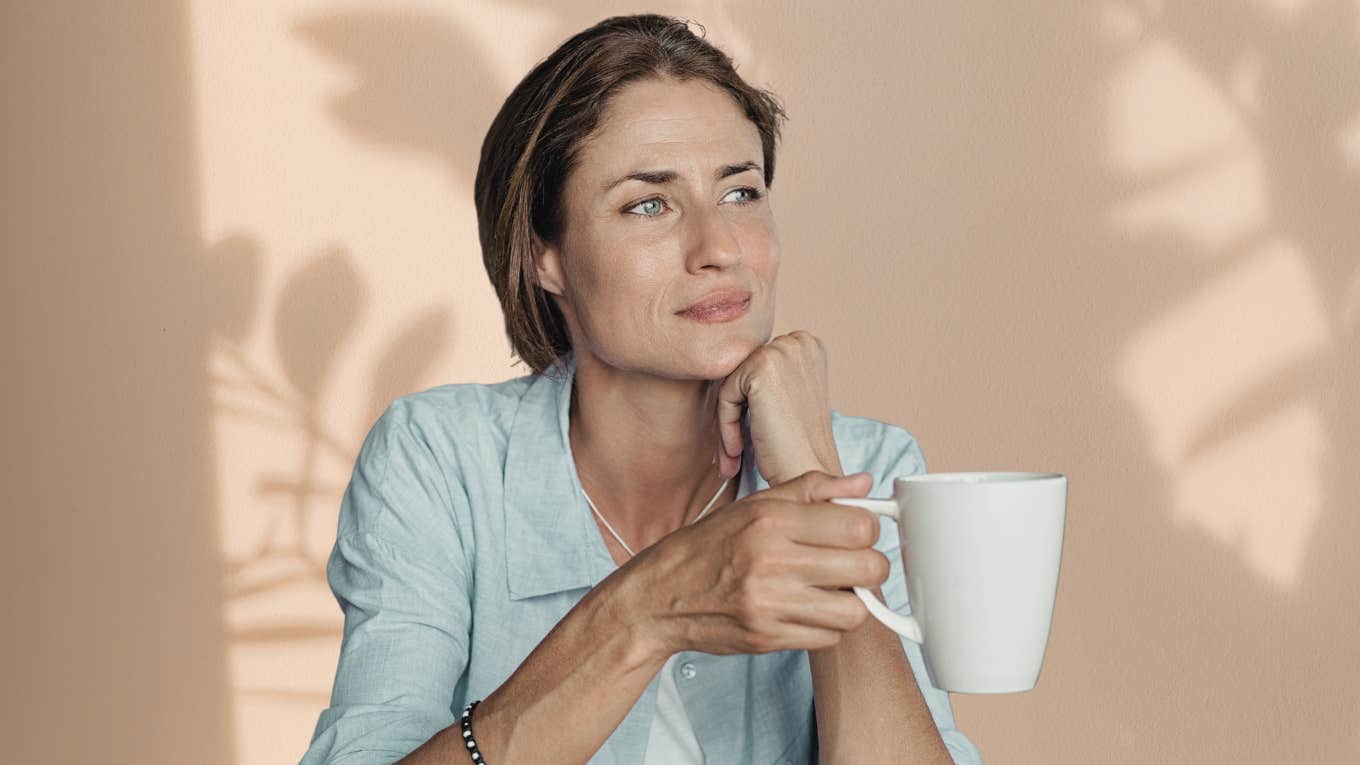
(464, 537)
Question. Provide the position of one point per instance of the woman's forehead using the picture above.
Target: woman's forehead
(655, 120)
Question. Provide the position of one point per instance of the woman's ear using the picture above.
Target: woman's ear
(548, 266)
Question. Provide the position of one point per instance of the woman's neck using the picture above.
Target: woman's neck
(644, 448)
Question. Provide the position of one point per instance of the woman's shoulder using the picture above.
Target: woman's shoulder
(460, 405)
(880, 448)
(455, 423)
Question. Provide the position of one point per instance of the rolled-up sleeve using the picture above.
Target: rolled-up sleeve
(900, 455)
(400, 573)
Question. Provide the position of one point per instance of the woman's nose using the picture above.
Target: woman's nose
(713, 240)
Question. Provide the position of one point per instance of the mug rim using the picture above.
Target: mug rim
(975, 477)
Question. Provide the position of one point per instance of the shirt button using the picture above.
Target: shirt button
(688, 671)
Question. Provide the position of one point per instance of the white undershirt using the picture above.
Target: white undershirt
(672, 740)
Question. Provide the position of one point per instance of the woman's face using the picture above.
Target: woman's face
(637, 250)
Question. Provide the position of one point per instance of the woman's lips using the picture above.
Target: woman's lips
(722, 312)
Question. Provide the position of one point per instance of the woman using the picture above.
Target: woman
(627, 556)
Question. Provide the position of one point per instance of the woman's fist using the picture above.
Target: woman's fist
(763, 574)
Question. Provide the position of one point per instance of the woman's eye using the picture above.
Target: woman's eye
(751, 195)
(650, 207)
(655, 206)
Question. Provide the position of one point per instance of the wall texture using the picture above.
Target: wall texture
(1113, 239)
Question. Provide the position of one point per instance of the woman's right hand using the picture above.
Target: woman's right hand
(761, 574)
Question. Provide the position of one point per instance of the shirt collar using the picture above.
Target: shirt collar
(552, 540)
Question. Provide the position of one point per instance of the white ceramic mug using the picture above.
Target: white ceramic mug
(980, 552)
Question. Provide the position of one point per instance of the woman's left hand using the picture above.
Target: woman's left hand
(783, 383)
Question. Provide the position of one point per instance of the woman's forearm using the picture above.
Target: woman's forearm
(869, 707)
(566, 697)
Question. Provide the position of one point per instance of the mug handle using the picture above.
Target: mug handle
(904, 625)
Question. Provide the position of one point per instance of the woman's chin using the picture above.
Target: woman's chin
(716, 361)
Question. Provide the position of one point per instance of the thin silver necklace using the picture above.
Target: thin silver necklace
(623, 544)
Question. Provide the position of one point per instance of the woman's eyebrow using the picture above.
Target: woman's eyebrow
(660, 177)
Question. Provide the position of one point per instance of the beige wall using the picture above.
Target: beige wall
(1115, 239)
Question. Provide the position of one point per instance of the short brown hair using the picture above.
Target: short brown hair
(532, 144)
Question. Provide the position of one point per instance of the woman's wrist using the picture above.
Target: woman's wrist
(829, 465)
(626, 605)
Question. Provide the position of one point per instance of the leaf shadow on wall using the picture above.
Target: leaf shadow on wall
(320, 310)
(1287, 428)
(421, 84)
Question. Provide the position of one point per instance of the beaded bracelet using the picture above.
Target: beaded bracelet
(467, 732)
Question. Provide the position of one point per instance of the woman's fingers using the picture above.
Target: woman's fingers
(798, 637)
(821, 609)
(731, 411)
(728, 466)
(815, 486)
(827, 487)
(798, 510)
(826, 567)
(823, 524)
